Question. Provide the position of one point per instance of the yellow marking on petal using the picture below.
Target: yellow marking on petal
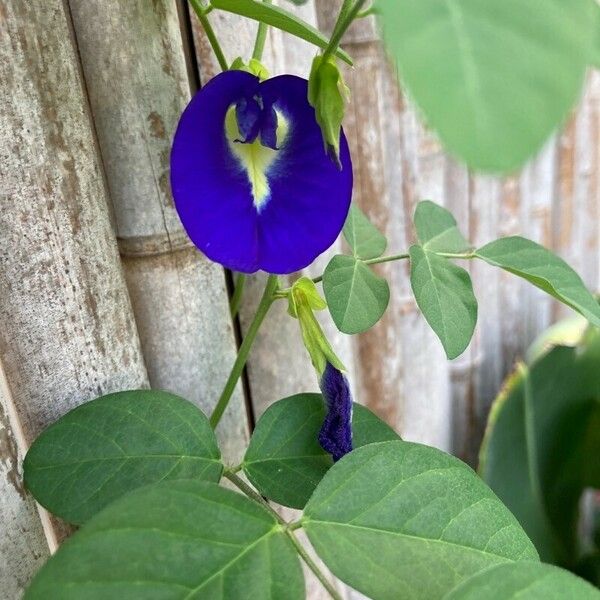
(255, 158)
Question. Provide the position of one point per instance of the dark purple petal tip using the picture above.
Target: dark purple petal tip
(252, 183)
(335, 436)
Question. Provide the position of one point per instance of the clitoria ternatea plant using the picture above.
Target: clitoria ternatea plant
(261, 174)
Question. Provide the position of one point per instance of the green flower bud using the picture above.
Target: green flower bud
(303, 300)
(328, 94)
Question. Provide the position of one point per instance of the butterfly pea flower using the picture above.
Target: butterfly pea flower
(335, 436)
(251, 182)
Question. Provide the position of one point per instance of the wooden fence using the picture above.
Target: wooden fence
(100, 290)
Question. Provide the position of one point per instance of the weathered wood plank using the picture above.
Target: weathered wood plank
(23, 545)
(67, 328)
(576, 208)
(396, 164)
(434, 400)
(138, 89)
(67, 332)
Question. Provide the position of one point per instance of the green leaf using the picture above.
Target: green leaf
(543, 269)
(363, 237)
(175, 540)
(114, 444)
(437, 230)
(526, 580)
(493, 78)
(357, 298)
(445, 296)
(542, 431)
(284, 460)
(596, 46)
(402, 520)
(280, 19)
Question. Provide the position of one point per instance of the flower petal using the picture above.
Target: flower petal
(272, 205)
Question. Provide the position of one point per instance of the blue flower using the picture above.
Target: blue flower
(335, 436)
(252, 183)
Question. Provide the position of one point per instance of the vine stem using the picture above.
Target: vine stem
(348, 13)
(240, 362)
(261, 37)
(201, 13)
(288, 528)
(385, 259)
(312, 565)
(242, 485)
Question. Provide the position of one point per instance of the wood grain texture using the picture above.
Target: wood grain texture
(396, 164)
(67, 332)
(138, 89)
(554, 200)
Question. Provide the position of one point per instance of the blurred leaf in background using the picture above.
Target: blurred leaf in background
(542, 445)
(494, 79)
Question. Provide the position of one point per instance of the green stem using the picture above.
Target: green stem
(261, 37)
(372, 261)
(463, 255)
(347, 14)
(242, 357)
(210, 33)
(344, 10)
(367, 12)
(386, 259)
(310, 563)
(288, 528)
(238, 292)
(251, 493)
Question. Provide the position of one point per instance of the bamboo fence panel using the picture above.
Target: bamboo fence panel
(67, 330)
(138, 89)
(23, 545)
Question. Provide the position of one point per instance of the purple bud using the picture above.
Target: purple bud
(335, 436)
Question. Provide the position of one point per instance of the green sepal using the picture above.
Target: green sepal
(327, 94)
(303, 300)
(311, 294)
(254, 67)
